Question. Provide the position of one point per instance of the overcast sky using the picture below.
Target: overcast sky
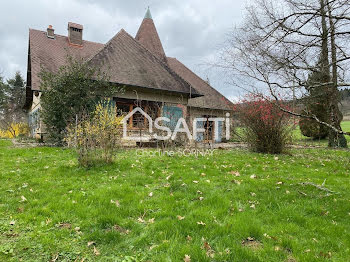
(192, 30)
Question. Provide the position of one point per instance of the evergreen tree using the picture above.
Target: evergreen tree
(15, 98)
(72, 91)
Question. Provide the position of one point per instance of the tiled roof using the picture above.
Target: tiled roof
(130, 63)
(147, 35)
(211, 97)
(51, 54)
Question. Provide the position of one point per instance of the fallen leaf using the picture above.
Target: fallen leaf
(151, 220)
(187, 258)
(279, 183)
(252, 206)
(201, 223)
(235, 173)
(150, 194)
(23, 199)
(252, 194)
(253, 176)
(153, 246)
(140, 219)
(236, 182)
(116, 202)
(96, 252)
(196, 182)
(188, 238)
(121, 230)
(90, 243)
(180, 217)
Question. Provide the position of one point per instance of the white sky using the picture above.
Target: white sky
(192, 31)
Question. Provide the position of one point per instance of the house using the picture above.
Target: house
(160, 85)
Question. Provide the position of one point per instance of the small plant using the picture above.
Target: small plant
(97, 135)
(266, 129)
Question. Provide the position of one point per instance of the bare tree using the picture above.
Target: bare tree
(283, 42)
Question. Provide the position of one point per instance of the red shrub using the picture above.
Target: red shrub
(266, 127)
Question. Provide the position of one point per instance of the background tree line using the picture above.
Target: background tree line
(12, 97)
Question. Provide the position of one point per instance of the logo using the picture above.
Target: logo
(180, 127)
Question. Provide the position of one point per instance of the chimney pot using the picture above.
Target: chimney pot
(50, 32)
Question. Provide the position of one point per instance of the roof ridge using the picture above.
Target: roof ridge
(32, 29)
(107, 44)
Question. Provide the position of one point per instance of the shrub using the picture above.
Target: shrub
(73, 89)
(13, 130)
(96, 136)
(265, 128)
(310, 128)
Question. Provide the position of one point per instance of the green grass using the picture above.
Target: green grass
(289, 221)
(299, 139)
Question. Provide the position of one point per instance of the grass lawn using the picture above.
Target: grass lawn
(233, 206)
(302, 140)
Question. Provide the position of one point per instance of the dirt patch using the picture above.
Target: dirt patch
(252, 243)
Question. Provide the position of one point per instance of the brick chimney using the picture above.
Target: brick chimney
(75, 34)
(50, 32)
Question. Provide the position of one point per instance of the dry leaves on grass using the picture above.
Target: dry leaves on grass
(201, 223)
(187, 258)
(23, 199)
(90, 243)
(209, 251)
(116, 202)
(235, 173)
(180, 217)
(189, 238)
(96, 251)
(237, 182)
(64, 225)
(121, 230)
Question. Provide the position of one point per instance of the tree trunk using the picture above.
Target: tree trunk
(334, 139)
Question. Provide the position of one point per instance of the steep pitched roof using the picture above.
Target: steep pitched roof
(128, 62)
(51, 54)
(147, 35)
(212, 98)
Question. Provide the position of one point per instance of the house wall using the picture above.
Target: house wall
(196, 112)
(34, 121)
(153, 95)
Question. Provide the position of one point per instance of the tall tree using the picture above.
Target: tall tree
(12, 95)
(15, 96)
(2, 95)
(70, 92)
(280, 44)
